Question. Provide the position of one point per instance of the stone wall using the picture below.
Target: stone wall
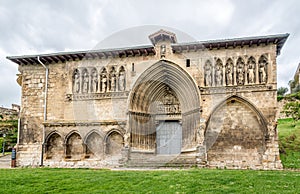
(89, 105)
(9, 113)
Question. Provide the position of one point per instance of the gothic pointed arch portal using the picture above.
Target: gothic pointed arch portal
(164, 93)
(236, 134)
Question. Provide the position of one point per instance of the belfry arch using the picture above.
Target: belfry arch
(163, 94)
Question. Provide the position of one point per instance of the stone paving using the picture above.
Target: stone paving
(5, 161)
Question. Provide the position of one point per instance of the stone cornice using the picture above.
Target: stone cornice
(97, 96)
(236, 89)
(278, 39)
(83, 123)
(62, 57)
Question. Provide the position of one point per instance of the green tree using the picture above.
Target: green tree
(282, 91)
(292, 109)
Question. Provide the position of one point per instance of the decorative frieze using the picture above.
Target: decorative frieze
(239, 73)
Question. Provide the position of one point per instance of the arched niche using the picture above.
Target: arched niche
(251, 67)
(103, 80)
(94, 145)
(85, 81)
(263, 69)
(240, 71)
(229, 72)
(94, 80)
(235, 134)
(208, 73)
(74, 146)
(114, 143)
(219, 72)
(54, 146)
(76, 81)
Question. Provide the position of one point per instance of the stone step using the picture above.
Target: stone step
(139, 161)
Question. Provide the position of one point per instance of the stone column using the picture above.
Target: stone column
(117, 82)
(80, 80)
(84, 149)
(269, 69)
(90, 81)
(256, 69)
(213, 72)
(246, 73)
(65, 150)
(99, 82)
(224, 71)
(234, 70)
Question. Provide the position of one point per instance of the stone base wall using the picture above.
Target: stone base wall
(29, 155)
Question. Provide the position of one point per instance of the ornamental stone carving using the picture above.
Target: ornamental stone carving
(251, 70)
(240, 71)
(94, 81)
(263, 70)
(89, 80)
(218, 73)
(229, 72)
(208, 74)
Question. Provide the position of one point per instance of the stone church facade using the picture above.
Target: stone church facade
(207, 103)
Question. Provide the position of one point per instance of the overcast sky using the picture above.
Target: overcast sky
(34, 26)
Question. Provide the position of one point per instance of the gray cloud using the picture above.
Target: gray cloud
(34, 26)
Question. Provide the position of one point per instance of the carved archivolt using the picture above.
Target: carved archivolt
(244, 71)
(90, 80)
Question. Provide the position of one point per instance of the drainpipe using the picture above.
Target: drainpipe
(45, 107)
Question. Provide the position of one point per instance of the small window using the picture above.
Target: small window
(188, 63)
(132, 67)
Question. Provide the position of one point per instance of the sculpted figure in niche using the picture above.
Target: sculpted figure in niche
(240, 73)
(94, 82)
(162, 51)
(76, 82)
(229, 74)
(121, 81)
(251, 73)
(208, 75)
(113, 83)
(85, 86)
(104, 83)
(262, 72)
(219, 75)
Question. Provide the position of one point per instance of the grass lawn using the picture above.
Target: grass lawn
(289, 142)
(47, 180)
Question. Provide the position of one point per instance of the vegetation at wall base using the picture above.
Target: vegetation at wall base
(290, 97)
(10, 129)
(289, 142)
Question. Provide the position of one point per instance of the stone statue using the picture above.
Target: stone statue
(251, 74)
(113, 83)
(76, 82)
(122, 81)
(94, 82)
(104, 84)
(262, 73)
(162, 51)
(219, 76)
(240, 74)
(229, 75)
(85, 87)
(207, 75)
